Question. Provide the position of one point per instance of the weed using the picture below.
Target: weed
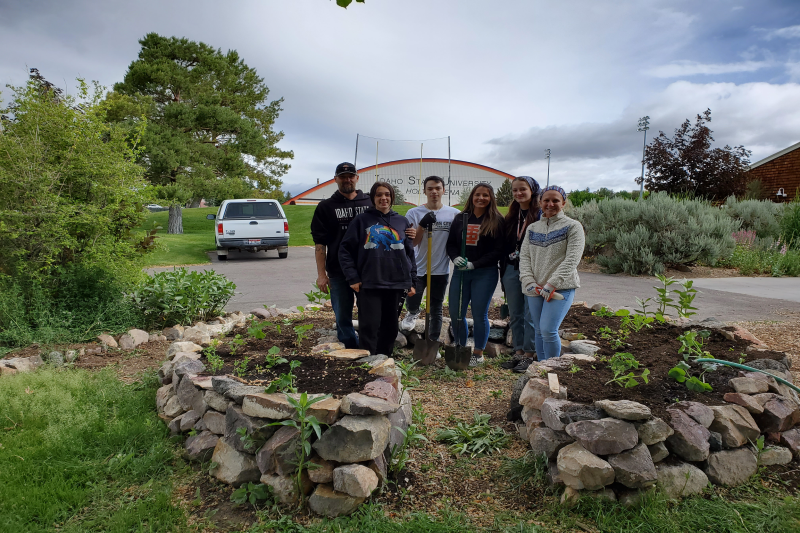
(474, 439)
(623, 362)
(446, 374)
(247, 440)
(240, 367)
(604, 312)
(284, 382)
(408, 373)
(399, 453)
(236, 343)
(496, 393)
(530, 470)
(574, 369)
(251, 492)
(215, 362)
(256, 330)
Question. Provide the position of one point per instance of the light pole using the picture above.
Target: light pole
(547, 156)
(644, 125)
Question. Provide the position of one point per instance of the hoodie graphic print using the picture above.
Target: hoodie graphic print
(383, 235)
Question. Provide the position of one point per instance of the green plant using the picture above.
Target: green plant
(530, 470)
(274, 325)
(300, 332)
(475, 438)
(399, 453)
(247, 440)
(407, 373)
(251, 492)
(236, 343)
(307, 425)
(256, 330)
(692, 344)
(284, 382)
(790, 222)
(760, 216)
(574, 369)
(680, 373)
(496, 393)
(622, 362)
(240, 366)
(272, 358)
(316, 296)
(604, 312)
(215, 362)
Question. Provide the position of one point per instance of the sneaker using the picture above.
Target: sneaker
(409, 321)
(476, 360)
(514, 361)
(523, 365)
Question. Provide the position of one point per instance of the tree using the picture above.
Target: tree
(686, 163)
(209, 129)
(345, 3)
(504, 195)
(398, 196)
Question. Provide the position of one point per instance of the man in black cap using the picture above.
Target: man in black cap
(328, 226)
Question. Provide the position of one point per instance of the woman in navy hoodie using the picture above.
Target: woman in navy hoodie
(377, 258)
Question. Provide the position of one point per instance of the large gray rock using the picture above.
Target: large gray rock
(791, 439)
(581, 469)
(222, 384)
(583, 347)
(173, 333)
(201, 446)
(360, 404)
(182, 346)
(188, 420)
(107, 340)
(400, 419)
(731, 467)
(190, 397)
(163, 394)
(690, 439)
(327, 502)
(775, 455)
(173, 407)
(139, 336)
(185, 367)
(653, 431)
(557, 414)
(658, 451)
(284, 488)
(735, 424)
(216, 401)
(680, 480)
(215, 422)
(355, 480)
(634, 468)
(604, 437)
(354, 439)
(237, 393)
(624, 409)
(748, 385)
(232, 466)
(702, 414)
(279, 453)
(547, 442)
(536, 391)
(258, 429)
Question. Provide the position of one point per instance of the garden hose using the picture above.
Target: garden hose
(749, 369)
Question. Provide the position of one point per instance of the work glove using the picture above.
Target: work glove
(460, 262)
(534, 289)
(469, 266)
(428, 220)
(548, 292)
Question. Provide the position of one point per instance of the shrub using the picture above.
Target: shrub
(644, 237)
(790, 223)
(761, 216)
(180, 296)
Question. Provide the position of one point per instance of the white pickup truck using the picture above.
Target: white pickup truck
(251, 225)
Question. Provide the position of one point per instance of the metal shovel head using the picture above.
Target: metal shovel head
(457, 357)
(425, 350)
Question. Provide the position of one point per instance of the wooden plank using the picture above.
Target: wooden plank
(552, 380)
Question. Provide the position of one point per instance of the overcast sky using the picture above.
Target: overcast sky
(503, 79)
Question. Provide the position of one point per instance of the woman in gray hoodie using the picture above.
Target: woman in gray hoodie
(548, 269)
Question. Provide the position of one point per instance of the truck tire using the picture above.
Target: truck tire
(283, 255)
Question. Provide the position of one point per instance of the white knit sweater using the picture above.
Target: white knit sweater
(551, 251)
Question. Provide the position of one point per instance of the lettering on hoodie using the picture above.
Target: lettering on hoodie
(345, 214)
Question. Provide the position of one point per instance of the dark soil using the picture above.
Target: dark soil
(655, 348)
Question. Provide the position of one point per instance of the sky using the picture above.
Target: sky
(505, 80)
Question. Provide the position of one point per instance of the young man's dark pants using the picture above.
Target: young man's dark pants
(342, 300)
(377, 319)
(436, 294)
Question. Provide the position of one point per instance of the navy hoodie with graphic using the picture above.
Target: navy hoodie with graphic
(376, 252)
(330, 221)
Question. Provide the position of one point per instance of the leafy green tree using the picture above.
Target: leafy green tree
(399, 197)
(209, 124)
(504, 194)
(345, 3)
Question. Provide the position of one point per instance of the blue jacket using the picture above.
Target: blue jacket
(376, 252)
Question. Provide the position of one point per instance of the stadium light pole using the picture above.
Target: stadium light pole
(644, 125)
(547, 156)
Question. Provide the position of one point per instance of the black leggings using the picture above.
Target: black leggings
(378, 311)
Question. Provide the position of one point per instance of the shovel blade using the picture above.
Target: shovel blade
(457, 357)
(425, 351)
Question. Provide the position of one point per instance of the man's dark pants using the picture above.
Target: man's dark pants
(342, 300)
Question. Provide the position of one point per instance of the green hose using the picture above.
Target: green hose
(749, 369)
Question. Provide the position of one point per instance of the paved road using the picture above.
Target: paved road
(262, 278)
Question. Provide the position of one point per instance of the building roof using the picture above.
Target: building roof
(776, 155)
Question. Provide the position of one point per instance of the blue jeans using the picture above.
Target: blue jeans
(547, 317)
(479, 285)
(521, 321)
(342, 299)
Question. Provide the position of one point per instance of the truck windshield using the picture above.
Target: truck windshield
(252, 210)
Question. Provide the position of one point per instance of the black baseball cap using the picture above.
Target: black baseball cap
(345, 168)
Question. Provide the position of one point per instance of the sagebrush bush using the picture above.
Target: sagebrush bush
(643, 237)
(761, 216)
(181, 296)
(790, 224)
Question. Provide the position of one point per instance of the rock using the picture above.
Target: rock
(570, 497)
(274, 406)
(658, 451)
(547, 442)
(173, 407)
(55, 358)
(373, 360)
(380, 466)
(770, 365)
(139, 336)
(163, 394)
(360, 404)
(70, 356)
(263, 313)
(624, 409)
(516, 391)
(680, 480)
(494, 349)
(232, 466)
(653, 431)
(22, 364)
(223, 384)
(702, 414)
(347, 354)
(775, 455)
(557, 414)
(400, 419)
(354, 439)
(400, 341)
(202, 382)
(216, 401)
(326, 411)
(327, 347)
(600, 305)
(497, 334)
(634, 468)
(745, 401)
(552, 475)
(185, 367)
(509, 338)
(382, 390)
(714, 441)
(258, 429)
(604, 437)
(215, 422)
(107, 340)
(731, 467)
(690, 439)
(532, 417)
(182, 346)
(355, 480)
(237, 393)
(780, 414)
(284, 487)
(196, 336)
(581, 469)
(631, 498)
(572, 336)
(748, 385)
(537, 390)
(188, 420)
(324, 471)
(583, 347)
(327, 339)
(791, 439)
(580, 357)
(201, 447)
(174, 333)
(189, 396)
(386, 368)
(327, 502)
(603, 495)
(279, 453)
(735, 424)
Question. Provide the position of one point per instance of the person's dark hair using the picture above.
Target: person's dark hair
(492, 217)
(513, 210)
(374, 190)
(432, 178)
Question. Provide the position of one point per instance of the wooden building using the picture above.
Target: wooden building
(779, 174)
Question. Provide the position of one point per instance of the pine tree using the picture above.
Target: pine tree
(504, 194)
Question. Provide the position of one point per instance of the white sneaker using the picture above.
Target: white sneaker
(476, 360)
(409, 321)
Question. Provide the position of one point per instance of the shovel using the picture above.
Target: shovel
(457, 356)
(426, 349)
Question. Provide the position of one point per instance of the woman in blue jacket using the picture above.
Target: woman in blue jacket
(377, 259)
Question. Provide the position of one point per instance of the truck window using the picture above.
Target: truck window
(252, 210)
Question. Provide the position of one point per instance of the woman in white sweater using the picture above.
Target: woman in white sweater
(548, 269)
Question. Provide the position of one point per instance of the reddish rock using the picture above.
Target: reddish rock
(700, 413)
(735, 424)
(383, 390)
(279, 452)
(780, 414)
(323, 473)
(745, 401)
(791, 439)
